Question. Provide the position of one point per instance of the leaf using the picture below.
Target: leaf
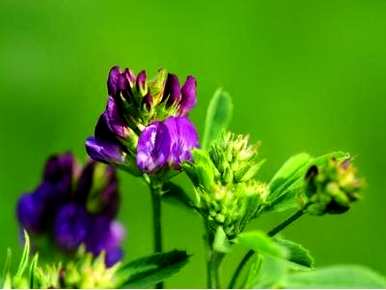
(261, 243)
(267, 272)
(218, 116)
(145, 272)
(25, 256)
(287, 174)
(32, 271)
(175, 193)
(339, 276)
(221, 243)
(6, 268)
(296, 253)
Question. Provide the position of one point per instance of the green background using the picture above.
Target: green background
(304, 75)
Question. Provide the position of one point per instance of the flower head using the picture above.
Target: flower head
(141, 127)
(332, 187)
(69, 205)
(227, 193)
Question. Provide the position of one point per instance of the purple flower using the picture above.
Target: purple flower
(137, 124)
(167, 143)
(70, 203)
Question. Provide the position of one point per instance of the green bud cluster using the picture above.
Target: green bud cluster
(86, 271)
(332, 188)
(227, 194)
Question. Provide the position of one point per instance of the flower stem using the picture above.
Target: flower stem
(157, 230)
(214, 260)
(271, 233)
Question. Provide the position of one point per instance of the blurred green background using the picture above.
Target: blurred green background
(304, 75)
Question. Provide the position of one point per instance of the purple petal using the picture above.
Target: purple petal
(59, 171)
(114, 121)
(184, 138)
(141, 82)
(189, 98)
(71, 226)
(105, 235)
(113, 81)
(153, 147)
(113, 256)
(172, 92)
(30, 213)
(105, 151)
(129, 76)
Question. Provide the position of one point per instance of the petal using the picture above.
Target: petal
(71, 226)
(104, 235)
(30, 213)
(184, 138)
(189, 98)
(153, 147)
(59, 171)
(105, 151)
(114, 120)
(172, 93)
(141, 83)
(113, 81)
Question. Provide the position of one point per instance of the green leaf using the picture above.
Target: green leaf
(24, 257)
(6, 268)
(175, 194)
(339, 276)
(261, 243)
(218, 116)
(289, 172)
(148, 271)
(221, 243)
(266, 272)
(32, 271)
(296, 253)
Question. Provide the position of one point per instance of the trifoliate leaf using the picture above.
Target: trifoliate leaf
(296, 253)
(339, 276)
(148, 271)
(218, 116)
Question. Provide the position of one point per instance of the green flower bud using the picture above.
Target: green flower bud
(226, 193)
(332, 188)
(85, 271)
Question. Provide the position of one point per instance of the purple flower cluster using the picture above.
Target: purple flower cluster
(146, 121)
(75, 206)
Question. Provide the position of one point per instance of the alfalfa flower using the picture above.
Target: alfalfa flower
(227, 195)
(332, 187)
(144, 121)
(75, 206)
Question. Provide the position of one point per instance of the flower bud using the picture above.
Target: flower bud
(332, 187)
(226, 193)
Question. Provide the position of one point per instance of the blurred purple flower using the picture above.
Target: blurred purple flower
(69, 203)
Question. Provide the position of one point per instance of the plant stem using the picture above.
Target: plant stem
(271, 233)
(157, 230)
(213, 263)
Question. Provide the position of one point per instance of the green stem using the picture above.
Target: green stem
(157, 230)
(271, 233)
(213, 263)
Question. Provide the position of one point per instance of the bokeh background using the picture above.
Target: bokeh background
(304, 75)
